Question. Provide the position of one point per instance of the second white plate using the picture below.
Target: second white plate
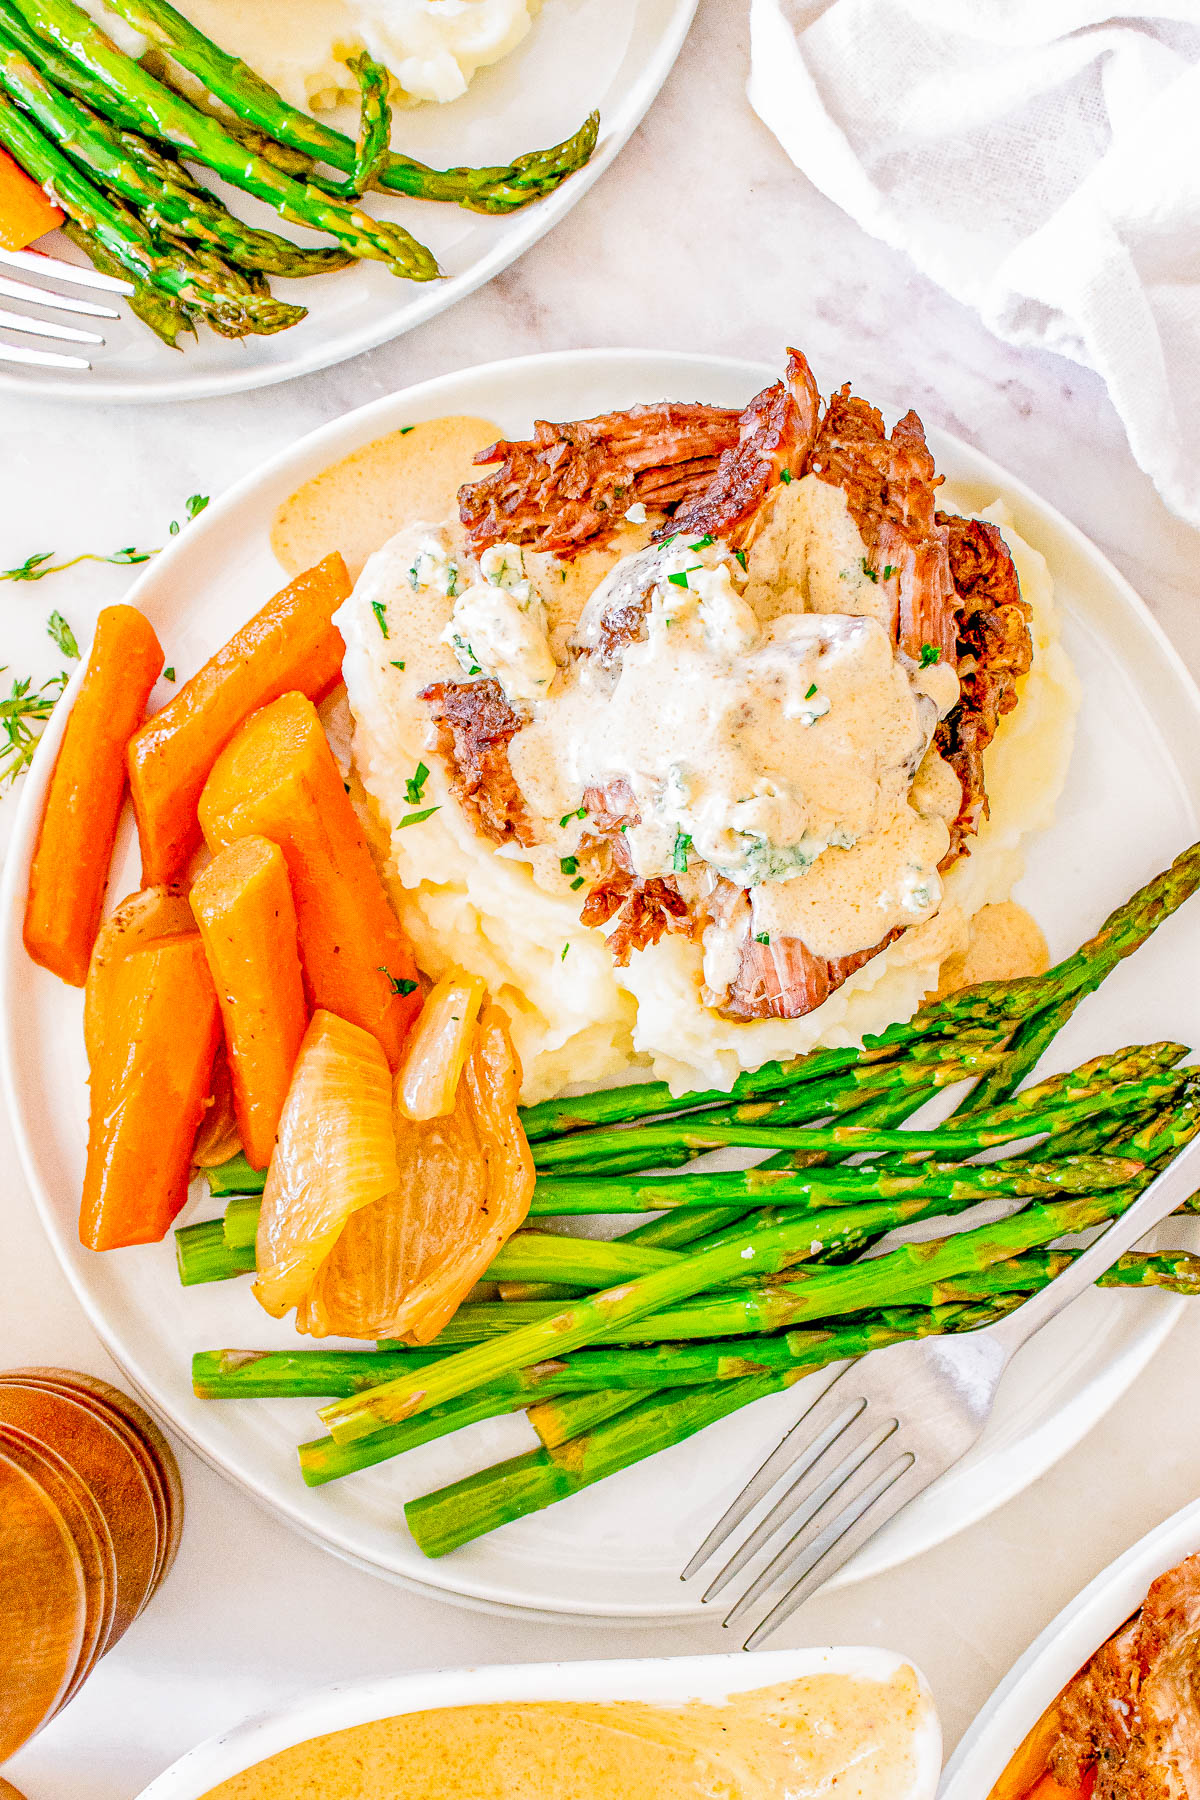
(1132, 802)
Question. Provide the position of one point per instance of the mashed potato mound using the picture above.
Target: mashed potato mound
(579, 1019)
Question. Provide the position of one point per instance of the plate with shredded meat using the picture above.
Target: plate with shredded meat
(723, 431)
(1106, 1703)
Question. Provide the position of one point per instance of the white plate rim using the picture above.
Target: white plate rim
(311, 452)
(1071, 1637)
(436, 297)
(661, 1680)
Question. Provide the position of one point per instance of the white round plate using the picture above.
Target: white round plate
(580, 56)
(665, 1681)
(1067, 1643)
(615, 1551)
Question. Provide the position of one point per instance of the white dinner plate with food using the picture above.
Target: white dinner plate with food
(1130, 802)
(577, 57)
(1010, 1721)
(789, 1720)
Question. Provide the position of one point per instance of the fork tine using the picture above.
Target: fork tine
(841, 1539)
(777, 1464)
(42, 359)
(25, 290)
(800, 1503)
(47, 328)
(74, 274)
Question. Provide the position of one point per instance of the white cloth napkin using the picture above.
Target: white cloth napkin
(1038, 158)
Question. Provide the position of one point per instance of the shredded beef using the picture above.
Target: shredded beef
(775, 436)
(993, 649)
(571, 484)
(643, 911)
(475, 725)
(784, 980)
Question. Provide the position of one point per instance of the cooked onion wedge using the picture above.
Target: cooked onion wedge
(402, 1266)
(427, 1079)
(336, 1153)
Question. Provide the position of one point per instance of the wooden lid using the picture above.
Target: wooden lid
(43, 1603)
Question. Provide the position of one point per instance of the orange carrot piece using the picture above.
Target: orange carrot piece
(243, 906)
(26, 212)
(277, 779)
(1049, 1789)
(290, 645)
(148, 1096)
(83, 802)
(1028, 1762)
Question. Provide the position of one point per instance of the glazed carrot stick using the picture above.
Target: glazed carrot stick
(1028, 1762)
(148, 1094)
(243, 906)
(26, 213)
(83, 802)
(290, 645)
(277, 779)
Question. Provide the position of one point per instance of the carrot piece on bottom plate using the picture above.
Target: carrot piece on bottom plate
(148, 1094)
(243, 905)
(83, 802)
(26, 212)
(277, 779)
(290, 644)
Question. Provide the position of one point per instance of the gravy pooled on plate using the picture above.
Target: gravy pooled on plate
(822, 1734)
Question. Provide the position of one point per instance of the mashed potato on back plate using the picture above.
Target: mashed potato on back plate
(505, 913)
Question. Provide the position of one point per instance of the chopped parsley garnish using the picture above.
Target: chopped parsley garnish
(741, 556)
(568, 864)
(562, 955)
(579, 813)
(397, 665)
(380, 611)
(415, 785)
(703, 543)
(417, 818)
(679, 855)
(785, 475)
(812, 690)
(577, 884)
(868, 571)
(680, 577)
(929, 655)
(889, 569)
(169, 672)
(451, 581)
(63, 636)
(667, 542)
(405, 429)
(399, 984)
(762, 937)
(467, 660)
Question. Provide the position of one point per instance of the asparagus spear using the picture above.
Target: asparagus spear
(235, 1177)
(166, 319)
(452, 1516)
(884, 1281)
(222, 297)
(164, 195)
(162, 113)
(254, 100)
(203, 1255)
(829, 1187)
(568, 1416)
(373, 143)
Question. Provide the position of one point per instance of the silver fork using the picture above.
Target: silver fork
(35, 262)
(888, 1425)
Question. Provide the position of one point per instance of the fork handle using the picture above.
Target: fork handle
(1175, 1185)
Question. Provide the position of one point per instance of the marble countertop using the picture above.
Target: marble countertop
(703, 236)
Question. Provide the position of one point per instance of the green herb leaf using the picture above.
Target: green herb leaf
(169, 672)
(762, 937)
(680, 578)
(405, 429)
(31, 569)
(562, 955)
(812, 690)
(415, 785)
(741, 556)
(785, 475)
(193, 506)
(568, 864)
(889, 569)
(579, 813)
(929, 655)
(380, 611)
(577, 884)
(25, 708)
(399, 984)
(397, 665)
(679, 854)
(63, 636)
(417, 818)
(703, 543)
(868, 571)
